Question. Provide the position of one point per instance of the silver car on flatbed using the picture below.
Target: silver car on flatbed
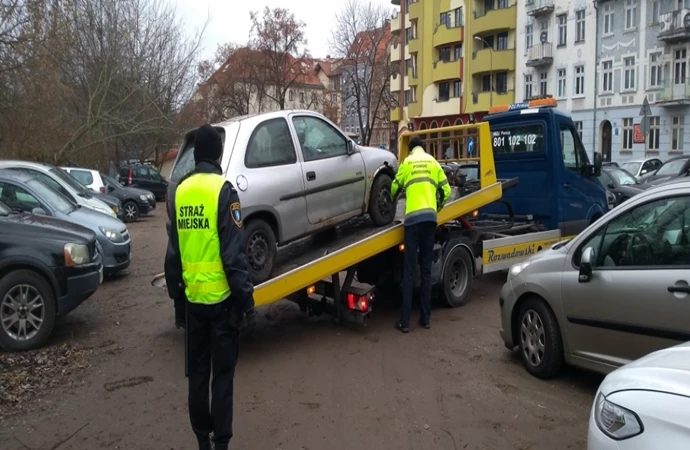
(296, 174)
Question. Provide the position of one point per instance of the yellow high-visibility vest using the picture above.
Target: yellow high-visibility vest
(196, 216)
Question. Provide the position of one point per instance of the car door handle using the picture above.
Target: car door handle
(684, 289)
(311, 176)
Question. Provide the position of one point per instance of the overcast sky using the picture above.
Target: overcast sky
(230, 19)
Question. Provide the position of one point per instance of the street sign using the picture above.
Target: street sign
(644, 126)
(470, 146)
(646, 110)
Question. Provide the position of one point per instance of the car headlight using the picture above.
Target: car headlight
(115, 210)
(76, 254)
(515, 269)
(106, 211)
(149, 195)
(143, 198)
(112, 235)
(615, 421)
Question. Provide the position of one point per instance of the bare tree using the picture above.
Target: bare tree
(361, 39)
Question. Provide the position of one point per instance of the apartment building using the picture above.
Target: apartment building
(556, 57)
(642, 50)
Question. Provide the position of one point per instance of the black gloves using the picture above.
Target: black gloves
(250, 316)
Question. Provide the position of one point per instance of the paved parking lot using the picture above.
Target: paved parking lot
(301, 383)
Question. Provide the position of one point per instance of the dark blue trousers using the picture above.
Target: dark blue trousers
(419, 249)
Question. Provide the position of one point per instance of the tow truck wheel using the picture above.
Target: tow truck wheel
(457, 277)
(261, 250)
(381, 206)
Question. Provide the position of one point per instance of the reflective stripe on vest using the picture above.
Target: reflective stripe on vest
(421, 187)
(196, 215)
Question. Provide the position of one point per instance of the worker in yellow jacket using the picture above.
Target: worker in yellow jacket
(424, 182)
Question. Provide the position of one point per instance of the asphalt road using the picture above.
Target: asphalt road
(302, 383)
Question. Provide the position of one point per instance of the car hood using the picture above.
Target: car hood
(107, 199)
(630, 190)
(44, 227)
(655, 181)
(666, 370)
(375, 157)
(94, 219)
(137, 191)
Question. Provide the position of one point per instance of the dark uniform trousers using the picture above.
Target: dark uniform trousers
(420, 237)
(213, 343)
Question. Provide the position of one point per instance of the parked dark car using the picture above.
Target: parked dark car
(621, 183)
(144, 177)
(111, 201)
(134, 201)
(673, 168)
(610, 164)
(48, 267)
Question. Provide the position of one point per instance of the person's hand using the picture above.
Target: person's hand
(250, 316)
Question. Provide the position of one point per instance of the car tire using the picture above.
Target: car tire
(12, 284)
(381, 206)
(457, 278)
(539, 340)
(261, 250)
(131, 211)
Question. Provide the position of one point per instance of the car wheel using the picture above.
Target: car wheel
(381, 206)
(540, 342)
(261, 250)
(457, 277)
(27, 311)
(131, 211)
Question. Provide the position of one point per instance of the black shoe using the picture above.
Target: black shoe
(399, 327)
(425, 325)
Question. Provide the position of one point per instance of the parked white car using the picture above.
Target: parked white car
(644, 405)
(62, 182)
(88, 177)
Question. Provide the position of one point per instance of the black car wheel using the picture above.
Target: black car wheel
(540, 342)
(131, 211)
(27, 310)
(381, 206)
(261, 250)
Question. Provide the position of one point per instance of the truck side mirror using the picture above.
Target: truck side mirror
(586, 265)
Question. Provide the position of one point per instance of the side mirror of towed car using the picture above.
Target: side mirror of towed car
(586, 265)
(39, 212)
(350, 147)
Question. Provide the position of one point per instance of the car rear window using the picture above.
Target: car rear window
(185, 160)
(82, 176)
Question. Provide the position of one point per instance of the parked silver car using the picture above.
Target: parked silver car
(296, 173)
(28, 193)
(641, 167)
(619, 290)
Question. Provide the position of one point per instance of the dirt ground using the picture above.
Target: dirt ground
(302, 383)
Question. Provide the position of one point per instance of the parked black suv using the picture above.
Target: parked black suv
(48, 267)
(146, 177)
(134, 201)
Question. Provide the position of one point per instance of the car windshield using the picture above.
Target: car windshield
(671, 167)
(70, 181)
(632, 167)
(109, 181)
(470, 172)
(622, 177)
(51, 196)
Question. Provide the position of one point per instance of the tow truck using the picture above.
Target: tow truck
(489, 224)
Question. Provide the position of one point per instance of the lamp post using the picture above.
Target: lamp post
(491, 69)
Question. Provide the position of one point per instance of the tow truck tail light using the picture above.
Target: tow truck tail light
(311, 290)
(475, 213)
(358, 302)
(401, 247)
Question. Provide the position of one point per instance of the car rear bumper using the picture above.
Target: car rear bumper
(80, 287)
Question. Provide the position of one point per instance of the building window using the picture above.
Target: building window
(653, 139)
(502, 4)
(486, 83)
(502, 82)
(630, 14)
(578, 127)
(629, 73)
(444, 54)
(445, 19)
(607, 76)
(580, 25)
(407, 97)
(413, 61)
(680, 67)
(457, 88)
(301, 97)
(627, 134)
(655, 70)
(677, 133)
(561, 83)
(528, 36)
(334, 98)
(458, 17)
(291, 95)
(655, 11)
(579, 80)
(336, 83)
(443, 91)
(562, 29)
(502, 41)
(608, 18)
(528, 87)
(488, 5)
(458, 52)
(543, 83)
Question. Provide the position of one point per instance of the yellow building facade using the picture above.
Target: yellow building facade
(456, 58)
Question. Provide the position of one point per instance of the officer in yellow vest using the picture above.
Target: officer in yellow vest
(206, 265)
(424, 183)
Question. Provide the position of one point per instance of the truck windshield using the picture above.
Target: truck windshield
(518, 139)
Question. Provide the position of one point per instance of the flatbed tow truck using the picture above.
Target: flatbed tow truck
(320, 277)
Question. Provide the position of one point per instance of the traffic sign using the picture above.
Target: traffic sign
(644, 125)
(470, 146)
(646, 110)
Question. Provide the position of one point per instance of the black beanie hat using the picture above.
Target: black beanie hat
(416, 141)
(207, 144)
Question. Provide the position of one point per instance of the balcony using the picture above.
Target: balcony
(448, 70)
(484, 61)
(395, 52)
(674, 94)
(395, 23)
(495, 20)
(540, 8)
(396, 113)
(395, 83)
(415, 9)
(444, 35)
(446, 108)
(483, 101)
(415, 45)
(675, 26)
(540, 55)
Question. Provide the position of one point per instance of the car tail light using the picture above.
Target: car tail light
(129, 178)
(358, 302)
(102, 189)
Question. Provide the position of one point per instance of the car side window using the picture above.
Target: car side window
(656, 233)
(141, 172)
(155, 176)
(270, 145)
(574, 155)
(318, 139)
(18, 198)
(82, 176)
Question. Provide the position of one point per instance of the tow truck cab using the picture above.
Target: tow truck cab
(539, 145)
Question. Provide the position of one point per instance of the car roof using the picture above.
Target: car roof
(676, 158)
(78, 168)
(16, 176)
(27, 164)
